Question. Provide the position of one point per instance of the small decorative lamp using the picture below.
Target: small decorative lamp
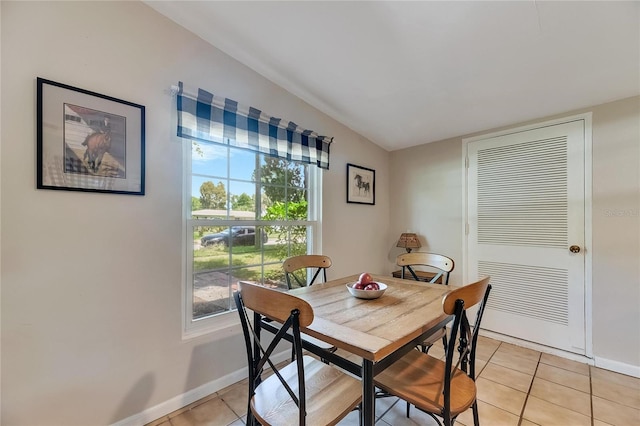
(409, 241)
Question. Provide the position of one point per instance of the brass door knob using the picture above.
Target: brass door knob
(574, 249)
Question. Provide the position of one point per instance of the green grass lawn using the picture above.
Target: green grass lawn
(217, 257)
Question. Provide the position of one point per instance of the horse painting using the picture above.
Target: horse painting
(97, 143)
(361, 184)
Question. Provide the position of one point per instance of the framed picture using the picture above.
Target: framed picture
(361, 185)
(87, 141)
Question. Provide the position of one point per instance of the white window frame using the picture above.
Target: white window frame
(228, 323)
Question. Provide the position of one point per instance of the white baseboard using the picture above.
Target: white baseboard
(618, 367)
(537, 347)
(607, 364)
(179, 401)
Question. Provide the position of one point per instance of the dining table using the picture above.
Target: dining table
(370, 334)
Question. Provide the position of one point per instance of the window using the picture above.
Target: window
(252, 185)
(245, 213)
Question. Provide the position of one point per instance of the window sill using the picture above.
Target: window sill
(217, 328)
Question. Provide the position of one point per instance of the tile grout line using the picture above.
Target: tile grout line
(386, 411)
(230, 408)
(520, 418)
(591, 395)
(526, 398)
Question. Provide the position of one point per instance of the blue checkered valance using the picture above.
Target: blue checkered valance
(210, 118)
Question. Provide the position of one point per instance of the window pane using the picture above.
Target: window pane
(210, 278)
(280, 172)
(287, 240)
(208, 194)
(272, 277)
(284, 203)
(298, 206)
(208, 159)
(242, 164)
(298, 175)
(242, 197)
(297, 240)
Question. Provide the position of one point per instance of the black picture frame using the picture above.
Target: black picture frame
(361, 185)
(88, 142)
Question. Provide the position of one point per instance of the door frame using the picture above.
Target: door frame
(588, 201)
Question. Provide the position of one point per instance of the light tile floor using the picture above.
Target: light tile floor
(516, 386)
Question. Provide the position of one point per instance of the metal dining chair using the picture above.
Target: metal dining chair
(303, 392)
(442, 388)
(297, 269)
(442, 265)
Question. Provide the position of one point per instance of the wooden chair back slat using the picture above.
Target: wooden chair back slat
(430, 259)
(274, 304)
(444, 263)
(470, 294)
(307, 262)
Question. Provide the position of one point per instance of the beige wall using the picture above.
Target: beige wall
(91, 283)
(616, 231)
(429, 201)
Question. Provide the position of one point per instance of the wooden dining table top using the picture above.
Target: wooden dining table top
(373, 328)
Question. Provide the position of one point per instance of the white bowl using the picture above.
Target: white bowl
(367, 294)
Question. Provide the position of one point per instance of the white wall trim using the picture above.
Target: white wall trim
(465, 210)
(179, 401)
(607, 364)
(618, 367)
(545, 123)
(588, 230)
(182, 400)
(536, 347)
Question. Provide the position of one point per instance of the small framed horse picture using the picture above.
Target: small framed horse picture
(87, 141)
(361, 185)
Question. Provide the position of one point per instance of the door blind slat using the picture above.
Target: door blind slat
(541, 293)
(522, 194)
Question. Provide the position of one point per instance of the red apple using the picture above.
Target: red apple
(372, 286)
(365, 278)
(359, 285)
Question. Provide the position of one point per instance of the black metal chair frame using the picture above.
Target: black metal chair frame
(258, 356)
(442, 273)
(304, 283)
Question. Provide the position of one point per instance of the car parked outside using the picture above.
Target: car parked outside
(240, 236)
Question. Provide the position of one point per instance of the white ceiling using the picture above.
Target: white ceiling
(409, 73)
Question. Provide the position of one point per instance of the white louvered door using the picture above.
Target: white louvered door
(525, 209)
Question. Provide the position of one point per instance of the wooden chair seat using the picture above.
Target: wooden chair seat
(417, 379)
(330, 394)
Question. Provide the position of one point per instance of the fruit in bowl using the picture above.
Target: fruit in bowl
(371, 290)
(364, 280)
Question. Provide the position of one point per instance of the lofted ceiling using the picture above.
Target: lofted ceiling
(408, 73)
